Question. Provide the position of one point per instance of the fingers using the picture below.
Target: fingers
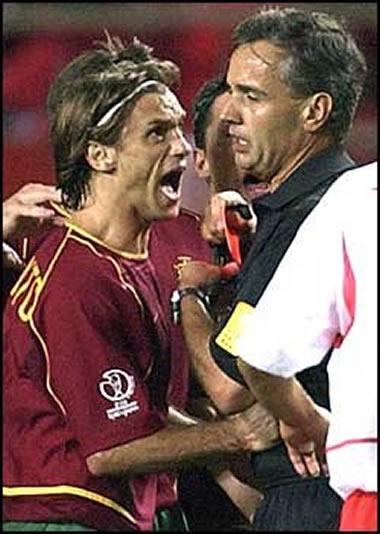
(213, 224)
(305, 461)
(322, 461)
(311, 463)
(38, 193)
(214, 221)
(217, 216)
(239, 215)
(26, 210)
(231, 198)
(196, 273)
(35, 211)
(229, 270)
(263, 428)
(297, 461)
(242, 226)
(315, 465)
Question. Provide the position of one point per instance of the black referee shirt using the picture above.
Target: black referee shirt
(280, 214)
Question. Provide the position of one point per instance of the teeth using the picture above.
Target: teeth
(241, 141)
(168, 188)
(169, 192)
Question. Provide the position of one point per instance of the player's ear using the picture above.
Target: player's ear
(101, 157)
(201, 164)
(316, 111)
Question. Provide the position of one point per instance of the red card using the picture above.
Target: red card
(233, 240)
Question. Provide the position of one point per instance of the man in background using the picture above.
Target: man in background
(235, 500)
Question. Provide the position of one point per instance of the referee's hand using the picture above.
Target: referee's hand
(307, 456)
(227, 207)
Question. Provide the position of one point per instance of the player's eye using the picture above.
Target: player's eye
(157, 133)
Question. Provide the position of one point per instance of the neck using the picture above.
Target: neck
(124, 232)
(303, 155)
(109, 216)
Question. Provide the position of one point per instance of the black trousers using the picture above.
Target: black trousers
(308, 506)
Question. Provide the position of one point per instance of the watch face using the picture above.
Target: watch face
(175, 306)
(175, 296)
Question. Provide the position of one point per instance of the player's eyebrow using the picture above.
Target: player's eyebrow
(168, 123)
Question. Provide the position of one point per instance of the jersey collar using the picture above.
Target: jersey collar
(305, 178)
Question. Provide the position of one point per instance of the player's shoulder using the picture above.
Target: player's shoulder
(68, 258)
(187, 219)
(46, 243)
(187, 222)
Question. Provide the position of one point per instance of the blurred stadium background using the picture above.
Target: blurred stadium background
(39, 38)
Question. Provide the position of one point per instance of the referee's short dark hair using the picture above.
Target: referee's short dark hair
(323, 56)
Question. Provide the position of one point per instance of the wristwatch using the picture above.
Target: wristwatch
(179, 294)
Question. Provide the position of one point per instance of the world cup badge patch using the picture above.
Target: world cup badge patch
(118, 387)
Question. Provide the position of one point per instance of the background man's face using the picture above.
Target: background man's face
(218, 151)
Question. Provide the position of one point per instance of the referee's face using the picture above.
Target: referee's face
(265, 119)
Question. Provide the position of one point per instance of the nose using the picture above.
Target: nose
(230, 112)
(180, 146)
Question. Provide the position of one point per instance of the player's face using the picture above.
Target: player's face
(265, 118)
(152, 156)
(218, 151)
(216, 162)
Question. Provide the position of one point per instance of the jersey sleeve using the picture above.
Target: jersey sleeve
(99, 359)
(295, 321)
(254, 277)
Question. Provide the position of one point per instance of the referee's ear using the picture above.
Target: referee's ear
(316, 111)
(101, 158)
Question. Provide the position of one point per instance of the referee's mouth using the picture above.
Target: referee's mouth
(254, 188)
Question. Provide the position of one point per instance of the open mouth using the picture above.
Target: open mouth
(239, 144)
(253, 187)
(171, 183)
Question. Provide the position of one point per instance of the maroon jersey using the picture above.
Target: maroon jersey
(175, 242)
(86, 368)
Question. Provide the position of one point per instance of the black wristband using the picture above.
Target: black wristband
(179, 294)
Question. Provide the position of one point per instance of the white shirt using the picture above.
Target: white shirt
(326, 285)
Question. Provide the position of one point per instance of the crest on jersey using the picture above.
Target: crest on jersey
(118, 387)
(180, 264)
